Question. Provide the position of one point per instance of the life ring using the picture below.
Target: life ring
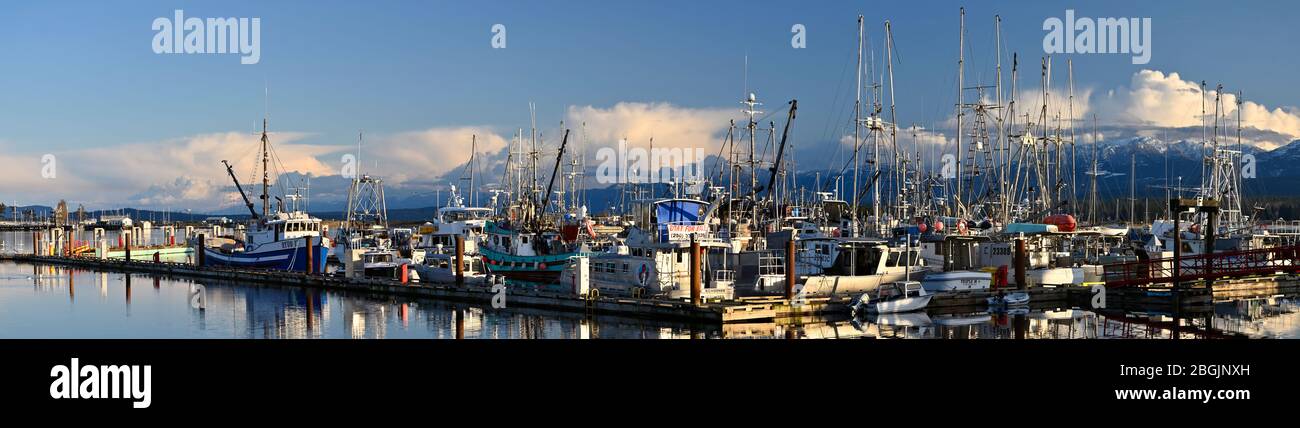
(961, 227)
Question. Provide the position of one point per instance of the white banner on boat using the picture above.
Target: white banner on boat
(682, 232)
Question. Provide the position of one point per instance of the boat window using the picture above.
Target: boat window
(624, 267)
(523, 239)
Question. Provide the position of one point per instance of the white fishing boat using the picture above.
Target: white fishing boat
(850, 266)
(903, 296)
(437, 267)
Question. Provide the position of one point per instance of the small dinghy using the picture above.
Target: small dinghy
(904, 296)
(1011, 299)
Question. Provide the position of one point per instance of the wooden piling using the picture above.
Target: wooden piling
(1022, 282)
(199, 252)
(311, 254)
(460, 260)
(789, 268)
(695, 271)
(127, 245)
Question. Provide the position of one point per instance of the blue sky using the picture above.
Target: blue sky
(81, 75)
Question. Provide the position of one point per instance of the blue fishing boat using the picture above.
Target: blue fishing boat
(286, 240)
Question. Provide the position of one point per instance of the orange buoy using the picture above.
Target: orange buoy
(1063, 222)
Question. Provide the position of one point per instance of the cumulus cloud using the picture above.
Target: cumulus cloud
(426, 155)
(1157, 99)
(671, 126)
(154, 174)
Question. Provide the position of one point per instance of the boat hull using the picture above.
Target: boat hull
(956, 281)
(430, 274)
(289, 256)
(537, 269)
(908, 304)
(846, 285)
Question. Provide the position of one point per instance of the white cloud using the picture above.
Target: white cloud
(1156, 99)
(671, 126)
(427, 154)
(154, 174)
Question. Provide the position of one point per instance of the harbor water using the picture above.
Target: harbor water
(56, 302)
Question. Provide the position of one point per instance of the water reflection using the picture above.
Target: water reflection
(43, 302)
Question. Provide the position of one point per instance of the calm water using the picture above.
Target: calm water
(56, 302)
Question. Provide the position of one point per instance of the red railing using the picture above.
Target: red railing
(1231, 264)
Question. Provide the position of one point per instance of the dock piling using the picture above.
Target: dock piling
(695, 271)
(198, 251)
(311, 254)
(789, 268)
(460, 259)
(1022, 282)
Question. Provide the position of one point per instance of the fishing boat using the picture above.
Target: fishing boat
(284, 240)
(436, 243)
(380, 262)
(522, 255)
(528, 243)
(903, 296)
(855, 265)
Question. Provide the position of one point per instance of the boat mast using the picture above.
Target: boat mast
(266, 175)
(893, 117)
(1092, 201)
(1074, 174)
(857, 124)
(961, 59)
